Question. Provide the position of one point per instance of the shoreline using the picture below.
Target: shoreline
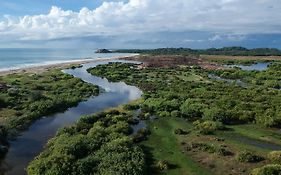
(42, 68)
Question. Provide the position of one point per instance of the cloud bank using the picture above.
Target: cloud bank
(231, 19)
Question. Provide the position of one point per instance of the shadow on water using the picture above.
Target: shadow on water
(31, 142)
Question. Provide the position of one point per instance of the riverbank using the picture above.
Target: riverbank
(27, 97)
(45, 127)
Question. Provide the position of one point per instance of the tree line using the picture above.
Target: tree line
(229, 51)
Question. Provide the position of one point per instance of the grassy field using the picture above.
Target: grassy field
(259, 133)
(163, 144)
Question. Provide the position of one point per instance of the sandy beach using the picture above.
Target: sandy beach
(40, 69)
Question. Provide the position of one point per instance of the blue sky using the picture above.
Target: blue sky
(140, 23)
(33, 7)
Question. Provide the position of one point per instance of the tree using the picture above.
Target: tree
(272, 169)
(192, 109)
(275, 157)
(216, 114)
(2, 103)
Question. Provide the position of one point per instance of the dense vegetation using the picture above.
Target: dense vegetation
(96, 144)
(26, 97)
(269, 78)
(170, 92)
(221, 126)
(232, 51)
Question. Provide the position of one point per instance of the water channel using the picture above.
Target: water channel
(31, 142)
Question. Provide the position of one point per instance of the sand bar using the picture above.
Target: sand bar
(43, 68)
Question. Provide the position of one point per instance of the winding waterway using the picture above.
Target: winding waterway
(31, 142)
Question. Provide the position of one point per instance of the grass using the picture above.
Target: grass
(191, 77)
(163, 144)
(253, 134)
(259, 133)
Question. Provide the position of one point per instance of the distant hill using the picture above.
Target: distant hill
(231, 51)
(103, 51)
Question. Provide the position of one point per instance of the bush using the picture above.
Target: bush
(269, 119)
(191, 109)
(3, 141)
(163, 114)
(2, 103)
(275, 157)
(223, 152)
(175, 113)
(141, 135)
(268, 170)
(131, 107)
(36, 95)
(163, 165)
(246, 156)
(180, 132)
(207, 127)
(210, 148)
(104, 148)
(13, 92)
(203, 147)
(217, 114)
(146, 109)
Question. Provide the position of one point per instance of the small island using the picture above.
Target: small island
(102, 51)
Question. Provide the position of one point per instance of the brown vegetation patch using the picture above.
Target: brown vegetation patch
(209, 62)
(211, 66)
(167, 61)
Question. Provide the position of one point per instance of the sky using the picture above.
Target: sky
(139, 23)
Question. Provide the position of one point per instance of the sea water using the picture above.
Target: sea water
(12, 59)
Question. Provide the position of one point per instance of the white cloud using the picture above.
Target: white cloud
(215, 38)
(140, 16)
(227, 37)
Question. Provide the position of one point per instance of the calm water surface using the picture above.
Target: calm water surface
(32, 141)
(230, 81)
(257, 66)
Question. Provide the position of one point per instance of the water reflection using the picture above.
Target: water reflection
(257, 66)
(238, 82)
(32, 141)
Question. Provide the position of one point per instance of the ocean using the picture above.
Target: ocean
(12, 59)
